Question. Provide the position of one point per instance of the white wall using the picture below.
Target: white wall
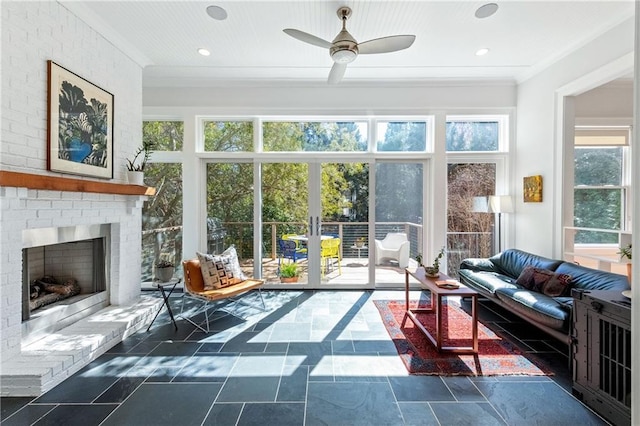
(538, 225)
(32, 33)
(325, 99)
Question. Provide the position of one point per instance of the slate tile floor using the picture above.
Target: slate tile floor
(313, 358)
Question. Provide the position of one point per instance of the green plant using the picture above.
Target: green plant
(133, 165)
(289, 270)
(435, 268)
(419, 259)
(162, 263)
(625, 252)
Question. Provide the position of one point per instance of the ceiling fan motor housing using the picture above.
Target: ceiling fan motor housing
(344, 48)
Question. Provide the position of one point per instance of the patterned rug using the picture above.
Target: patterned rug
(496, 356)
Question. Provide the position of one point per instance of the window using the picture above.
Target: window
(401, 136)
(315, 136)
(479, 134)
(599, 193)
(228, 136)
(163, 135)
(162, 218)
(470, 233)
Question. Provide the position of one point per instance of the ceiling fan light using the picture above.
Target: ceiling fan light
(343, 56)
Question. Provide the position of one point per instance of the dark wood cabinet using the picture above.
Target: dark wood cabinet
(601, 353)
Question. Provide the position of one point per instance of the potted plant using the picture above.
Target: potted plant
(434, 270)
(136, 165)
(360, 242)
(164, 270)
(625, 252)
(289, 272)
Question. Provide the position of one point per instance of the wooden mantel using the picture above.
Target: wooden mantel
(56, 183)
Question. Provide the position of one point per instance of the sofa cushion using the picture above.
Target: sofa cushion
(537, 306)
(511, 262)
(487, 281)
(545, 281)
(593, 279)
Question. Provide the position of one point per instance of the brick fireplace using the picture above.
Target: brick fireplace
(33, 361)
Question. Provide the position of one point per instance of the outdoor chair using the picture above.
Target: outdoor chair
(394, 246)
(329, 250)
(289, 250)
(194, 289)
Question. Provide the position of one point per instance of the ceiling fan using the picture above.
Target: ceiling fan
(344, 48)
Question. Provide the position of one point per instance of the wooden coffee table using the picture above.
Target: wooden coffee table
(437, 294)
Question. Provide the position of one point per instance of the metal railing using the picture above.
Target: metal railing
(167, 242)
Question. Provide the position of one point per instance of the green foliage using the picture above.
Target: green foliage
(289, 270)
(404, 137)
(472, 136)
(625, 252)
(598, 166)
(163, 135)
(145, 150)
(597, 208)
(228, 136)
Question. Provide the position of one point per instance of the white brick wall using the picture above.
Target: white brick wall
(32, 33)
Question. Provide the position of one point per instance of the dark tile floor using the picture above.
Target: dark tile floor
(313, 358)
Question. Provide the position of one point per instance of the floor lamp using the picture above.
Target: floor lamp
(500, 204)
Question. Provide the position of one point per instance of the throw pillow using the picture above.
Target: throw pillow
(221, 270)
(209, 270)
(558, 285)
(544, 281)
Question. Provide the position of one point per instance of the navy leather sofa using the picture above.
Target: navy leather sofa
(496, 277)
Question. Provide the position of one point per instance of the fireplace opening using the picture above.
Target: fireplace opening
(64, 277)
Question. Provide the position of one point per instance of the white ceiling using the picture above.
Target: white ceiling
(250, 46)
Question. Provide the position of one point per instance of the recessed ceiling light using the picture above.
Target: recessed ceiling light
(482, 52)
(486, 10)
(216, 12)
(204, 52)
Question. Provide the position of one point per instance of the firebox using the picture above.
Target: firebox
(64, 276)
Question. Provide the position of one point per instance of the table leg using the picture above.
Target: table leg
(406, 297)
(166, 300)
(438, 318)
(474, 321)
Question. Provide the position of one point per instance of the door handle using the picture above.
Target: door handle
(310, 225)
(317, 225)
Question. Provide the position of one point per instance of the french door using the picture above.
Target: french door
(321, 225)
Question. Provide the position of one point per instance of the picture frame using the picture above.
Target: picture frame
(532, 189)
(80, 125)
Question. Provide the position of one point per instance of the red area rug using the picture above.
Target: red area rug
(496, 356)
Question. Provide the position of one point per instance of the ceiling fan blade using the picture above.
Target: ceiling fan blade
(386, 44)
(336, 73)
(308, 38)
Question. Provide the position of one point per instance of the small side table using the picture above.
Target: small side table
(359, 249)
(165, 296)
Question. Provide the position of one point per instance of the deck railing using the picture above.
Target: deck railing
(460, 245)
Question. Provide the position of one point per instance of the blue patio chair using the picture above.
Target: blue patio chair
(289, 250)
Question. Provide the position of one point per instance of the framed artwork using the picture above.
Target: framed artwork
(532, 188)
(80, 127)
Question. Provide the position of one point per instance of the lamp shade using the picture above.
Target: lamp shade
(500, 204)
(480, 205)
